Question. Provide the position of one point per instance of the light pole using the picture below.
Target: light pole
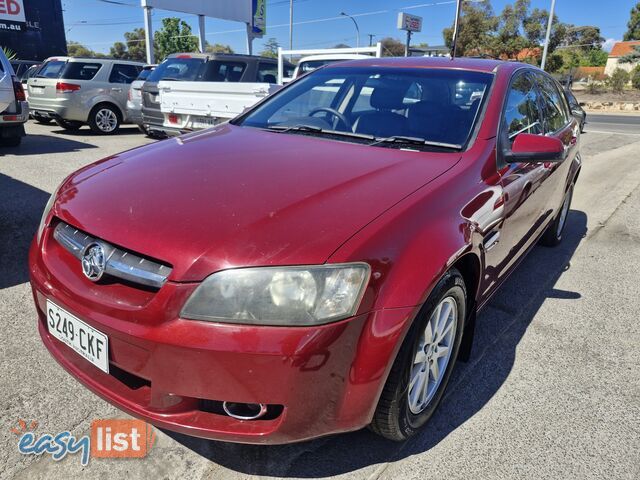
(290, 25)
(546, 39)
(357, 29)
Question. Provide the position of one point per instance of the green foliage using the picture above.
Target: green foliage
(555, 63)
(119, 50)
(633, 56)
(594, 58)
(635, 77)
(76, 49)
(218, 48)
(618, 80)
(175, 36)
(10, 54)
(392, 47)
(342, 45)
(633, 27)
(137, 45)
(270, 48)
(594, 88)
(477, 26)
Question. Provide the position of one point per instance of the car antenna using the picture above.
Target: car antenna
(456, 25)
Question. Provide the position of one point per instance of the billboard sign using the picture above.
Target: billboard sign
(12, 15)
(410, 23)
(238, 10)
(259, 18)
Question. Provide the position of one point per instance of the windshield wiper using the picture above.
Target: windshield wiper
(415, 141)
(324, 131)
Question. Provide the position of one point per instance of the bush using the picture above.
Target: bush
(618, 80)
(635, 77)
(594, 88)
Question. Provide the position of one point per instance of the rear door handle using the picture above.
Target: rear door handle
(116, 89)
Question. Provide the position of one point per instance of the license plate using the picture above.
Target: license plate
(36, 90)
(84, 339)
(203, 122)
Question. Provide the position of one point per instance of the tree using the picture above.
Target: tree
(218, 48)
(175, 36)
(119, 50)
(618, 79)
(270, 48)
(475, 33)
(76, 49)
(635, 77)
(633, 27)
(137, 45)
(594, 58)
(342, 45)
(632, 56)
(392, 47)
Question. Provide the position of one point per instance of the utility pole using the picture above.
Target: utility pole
(290, 25)
(454, 42)
(371, 35)
(546, 40)
(407, 47)
(148, 33)
(357, 29)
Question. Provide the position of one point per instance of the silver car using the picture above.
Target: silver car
(134, 101)
(14, 110)
(78, 91)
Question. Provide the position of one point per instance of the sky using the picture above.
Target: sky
(98, 24)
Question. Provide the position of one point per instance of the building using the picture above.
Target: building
(33, 29)
(620, 49)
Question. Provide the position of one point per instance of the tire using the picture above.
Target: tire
(42, 120)
(553, 235)
(10, 141)
(70, 125)
(396, 416)
(105, 119)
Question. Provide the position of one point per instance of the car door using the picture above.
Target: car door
(121, 77)
(523, 184)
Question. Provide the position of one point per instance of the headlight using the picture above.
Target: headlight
(292, 296)
(45, 214)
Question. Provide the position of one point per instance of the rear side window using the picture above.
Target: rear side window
(554, 109)
(80, 70)
(177, 69)
(144, 74)
(122, 73)
(267, 72)
(522, 112)
(223, 71)
(51, 69)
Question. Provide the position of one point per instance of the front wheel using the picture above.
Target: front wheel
(422, 369)
(104, 119)
(553, 235)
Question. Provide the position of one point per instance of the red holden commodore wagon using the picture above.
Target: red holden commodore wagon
(315, 265)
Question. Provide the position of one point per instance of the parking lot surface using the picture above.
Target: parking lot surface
(552, 389)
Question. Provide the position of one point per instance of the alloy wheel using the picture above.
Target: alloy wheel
(106, 120)
(432, 355)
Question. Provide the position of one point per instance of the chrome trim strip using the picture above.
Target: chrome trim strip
(120, 263)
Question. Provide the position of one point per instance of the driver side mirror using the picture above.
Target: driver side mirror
(531, 148)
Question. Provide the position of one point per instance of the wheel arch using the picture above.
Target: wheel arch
(109, 102)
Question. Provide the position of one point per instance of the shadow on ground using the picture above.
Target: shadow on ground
(34, 144)
(20, 211)
(500, 327)
(85, 131)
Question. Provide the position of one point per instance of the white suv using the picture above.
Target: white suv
(14, 109)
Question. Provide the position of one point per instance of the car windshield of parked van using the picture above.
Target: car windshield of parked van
(391, 107)
(178, 69)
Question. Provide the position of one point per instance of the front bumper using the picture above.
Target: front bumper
(169, 371)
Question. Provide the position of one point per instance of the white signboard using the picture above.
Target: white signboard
(12, 12)
(236, 10)
(410, 23)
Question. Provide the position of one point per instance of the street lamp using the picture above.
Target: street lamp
(357, 29)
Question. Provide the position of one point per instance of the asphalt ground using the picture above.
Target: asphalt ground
(552, 389)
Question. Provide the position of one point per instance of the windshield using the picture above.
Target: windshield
(184, 69)
(431, 106)
(144, 74)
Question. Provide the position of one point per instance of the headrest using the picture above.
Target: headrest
(388, 97)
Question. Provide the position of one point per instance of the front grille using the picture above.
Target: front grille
(119, 263)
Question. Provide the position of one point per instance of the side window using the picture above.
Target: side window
(223, 71)
(267, 72)
(80, 70)
(554, 107)
(522, 111)
(122, 73)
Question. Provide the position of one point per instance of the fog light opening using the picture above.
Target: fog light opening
(244, 411)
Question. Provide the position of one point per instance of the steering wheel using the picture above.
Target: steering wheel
(333, 112)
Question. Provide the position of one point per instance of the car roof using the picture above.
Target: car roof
(94, 59)
(462, 63)
(334, 56)
(225, 56)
